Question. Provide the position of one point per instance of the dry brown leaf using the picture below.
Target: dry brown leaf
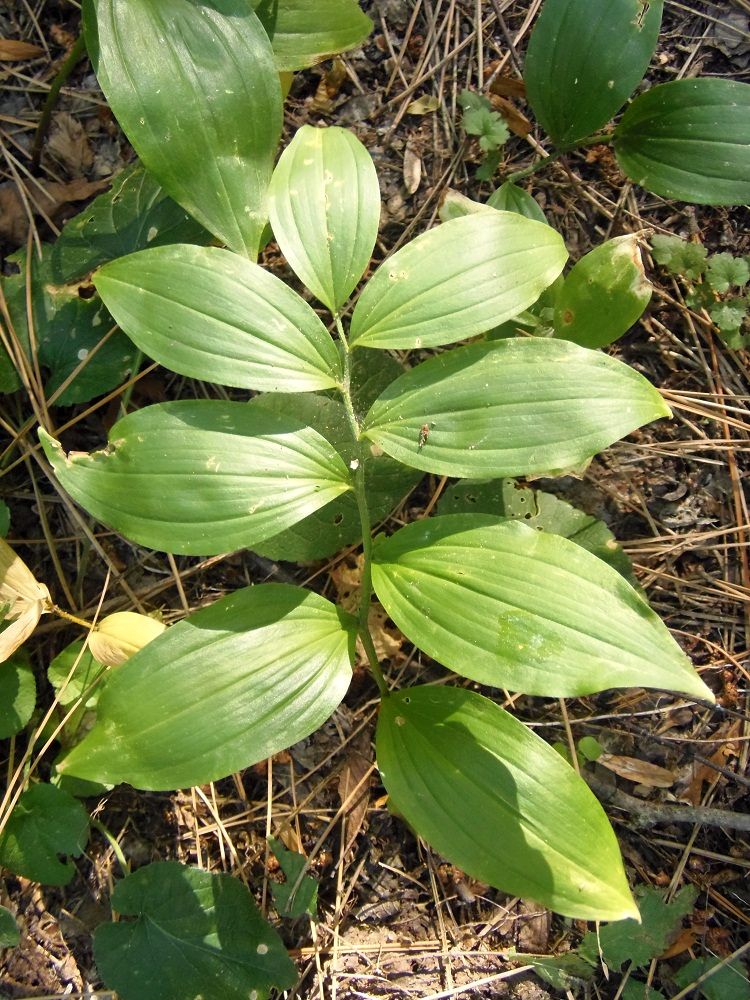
(507, 86)
(69, 143)
(639, 771)
(412, 168)
(352, 782)
(386, 639)
(23, 600)
(51, 199)
(518, 124)
(329, 87)
(12, 50)
(701, 773)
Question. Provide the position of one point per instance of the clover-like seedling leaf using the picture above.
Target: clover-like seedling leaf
(482, 121)
(679, 256)
(9, 933)
(193, 935)
(727, 983)
(296, 896)
(637, 943)
(725, 271)
(46, 823)
(729, 316)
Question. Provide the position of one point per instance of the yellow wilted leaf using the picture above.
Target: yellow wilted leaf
(117, 637)
(23, 600)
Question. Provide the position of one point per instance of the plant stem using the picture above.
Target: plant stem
(602, 139)
(360, 492)
(77, 51)
(71, 618)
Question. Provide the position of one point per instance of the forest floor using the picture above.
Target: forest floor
(394, 920)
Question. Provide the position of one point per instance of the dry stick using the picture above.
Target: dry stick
(649, 813)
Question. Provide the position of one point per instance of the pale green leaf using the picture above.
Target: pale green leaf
(202, 476)
(689, 139)
(457, 280)
(45, 824)
(496, 800)
(211, 314)
(584, 61)
(303, 32)
(324, 202)
(510, 197)
(226, 687)
(726, 271)
(196, 90)
(73, 672)
(195, 934)
(510, 407)
(512, 607)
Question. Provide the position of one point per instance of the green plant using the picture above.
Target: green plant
(482, 121)
(715, 283)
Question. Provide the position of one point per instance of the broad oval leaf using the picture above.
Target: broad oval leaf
(189, 924)
(689, 139)
(17, 695)
(199, 477)
(509, 197)
(213, 315)
(584, 61)
(496, 800)
(302, 32)
(458, 280)
(134, 214)
(510, 407)
(196, 90)
(525, 610)
(45, 824)
(231, 685)
(605, 293)
(324, 202)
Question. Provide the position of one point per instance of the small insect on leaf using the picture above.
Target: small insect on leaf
(424, 433)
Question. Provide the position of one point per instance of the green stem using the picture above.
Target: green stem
(602, 139)
(77, 51)
(360, 492)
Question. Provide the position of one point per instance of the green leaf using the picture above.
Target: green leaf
(605, 293)
(510, 407)
(456, 281)
(202, 932)
(689, 139)
(544, 511)
(725, 272)
(226, 687)
(73, 672)
(303, 32)
(9, 933)
(679, 256)
(455, 205)
(4, 519)
(68, 329)
(729, 317)
(45, 823)
(496, 800)
(338, 523)
(634, 989)
(201, 477)
(305, 898)
(631, 941)
(17, 695)
(510, 197)
(590, 748)
(134, 214)
(524, 610)
(325, 207)
(480, 120)
(564, 972)
(584, 62)
(199, 99)
(211, 314)
(729, 983)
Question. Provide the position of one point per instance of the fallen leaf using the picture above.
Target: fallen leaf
(69, 143)
(423, 105)
(412, 168)
(11, 50)
(639, 771)
(518, 124)
(50, 199)
(352, 782)
(329, 87)
(120, 635)
(507, 86)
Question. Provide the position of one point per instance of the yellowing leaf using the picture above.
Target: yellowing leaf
(118, 636)
(24, 598)
(423, 105)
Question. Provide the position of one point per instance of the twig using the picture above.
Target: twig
(77, 51)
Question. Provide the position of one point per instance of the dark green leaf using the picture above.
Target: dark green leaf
(9, 933)
(211, 314)
(329, 529)
(564, 972)
(303, 32)
(72, 674)
(203, 476)
(324, 202)
(231, 685)
(525, 610)
(605, 293)
(305, 898)
(630, 941)
(634, 989)
(689, 139)
(584, 61)
(5, 517)
(728, 983)
(726, 271)
(45, 824)
(194, 935)
(510, 197)
(17, 695)
(457, 280)
(497, 801)
(508, 408)
(134, 214)
(196, 90)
